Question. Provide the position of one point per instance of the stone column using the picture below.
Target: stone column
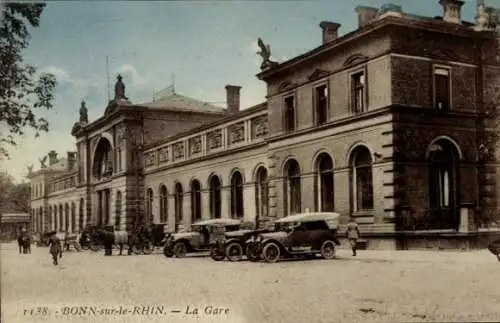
(171, 213)
(274, 182)
(186, 209)
(205, 205)
(225, 200)
(307, 190)
(249, 205)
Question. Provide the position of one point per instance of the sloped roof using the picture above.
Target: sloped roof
(179, 102)
(60, 166)
(14, 217)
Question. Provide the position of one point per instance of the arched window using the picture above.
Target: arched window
(61, 217)
(66, 217)
(118, 210)
(40, 220)
(149, 206)
(73, 217)
(103, 159)
(292, 189)
(215, 197)
(179, 199)
(34, 220)
(262, 193)
(361, 179)
(81, 214)
(49, 218)
(324, 184)
(195, 201)
(163, 204)
(56, 223)
(443, 161)
(237, 195)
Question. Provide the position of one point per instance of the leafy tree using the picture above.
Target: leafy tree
(22, 89)
(13, 197)
(6, 183)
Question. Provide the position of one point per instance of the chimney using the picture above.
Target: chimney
(233, 98)
(366, 15)
(52, 157)
(71, 160)
(452, 10)
(330, 31)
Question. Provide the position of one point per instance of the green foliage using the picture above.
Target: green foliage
(13, 197)
(22, 89)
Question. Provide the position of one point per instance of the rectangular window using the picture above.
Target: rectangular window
(321, 96)
(290, 113)
(442, 89)
(358, 92)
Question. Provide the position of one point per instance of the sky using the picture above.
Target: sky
(205, 44)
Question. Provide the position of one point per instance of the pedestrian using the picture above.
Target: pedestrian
(20, 243)
(353, 234)
(55, 248)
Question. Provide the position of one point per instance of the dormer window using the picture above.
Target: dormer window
(358, 81)
(290, 113)
(442, 89)
(321, 104)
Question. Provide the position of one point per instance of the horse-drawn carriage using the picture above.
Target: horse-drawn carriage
(68, 241)
(141, 240)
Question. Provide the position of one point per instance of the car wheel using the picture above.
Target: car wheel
(253, 253)
(271, 252)
(168, 252)
(216, 255)
(147, 248)
(136, 249)
(234, 251)
(328, 249)
(95, 247)
(180, 249)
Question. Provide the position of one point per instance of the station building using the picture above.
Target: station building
(394, 123)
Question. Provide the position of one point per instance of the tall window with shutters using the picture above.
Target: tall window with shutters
(290, 123)
(321, 104)
(358, 87)
(442, 89)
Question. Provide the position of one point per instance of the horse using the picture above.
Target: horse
(109, 238)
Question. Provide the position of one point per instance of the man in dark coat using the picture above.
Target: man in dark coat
(55, 248)
(20, 243)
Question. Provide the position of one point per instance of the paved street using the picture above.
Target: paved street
(379, 286)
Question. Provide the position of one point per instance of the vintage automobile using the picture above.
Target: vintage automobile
(299, 235)
(199, 237)
(234, 245)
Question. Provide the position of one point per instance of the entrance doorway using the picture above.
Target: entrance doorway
(104, 210)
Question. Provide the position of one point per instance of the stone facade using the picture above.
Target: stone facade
(363, 125)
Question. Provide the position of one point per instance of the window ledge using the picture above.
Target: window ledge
(363, 213)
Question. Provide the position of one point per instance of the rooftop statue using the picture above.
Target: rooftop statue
(265, 53)
(487, 18)
(120, 89)
(84, 117)
(43, 161)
